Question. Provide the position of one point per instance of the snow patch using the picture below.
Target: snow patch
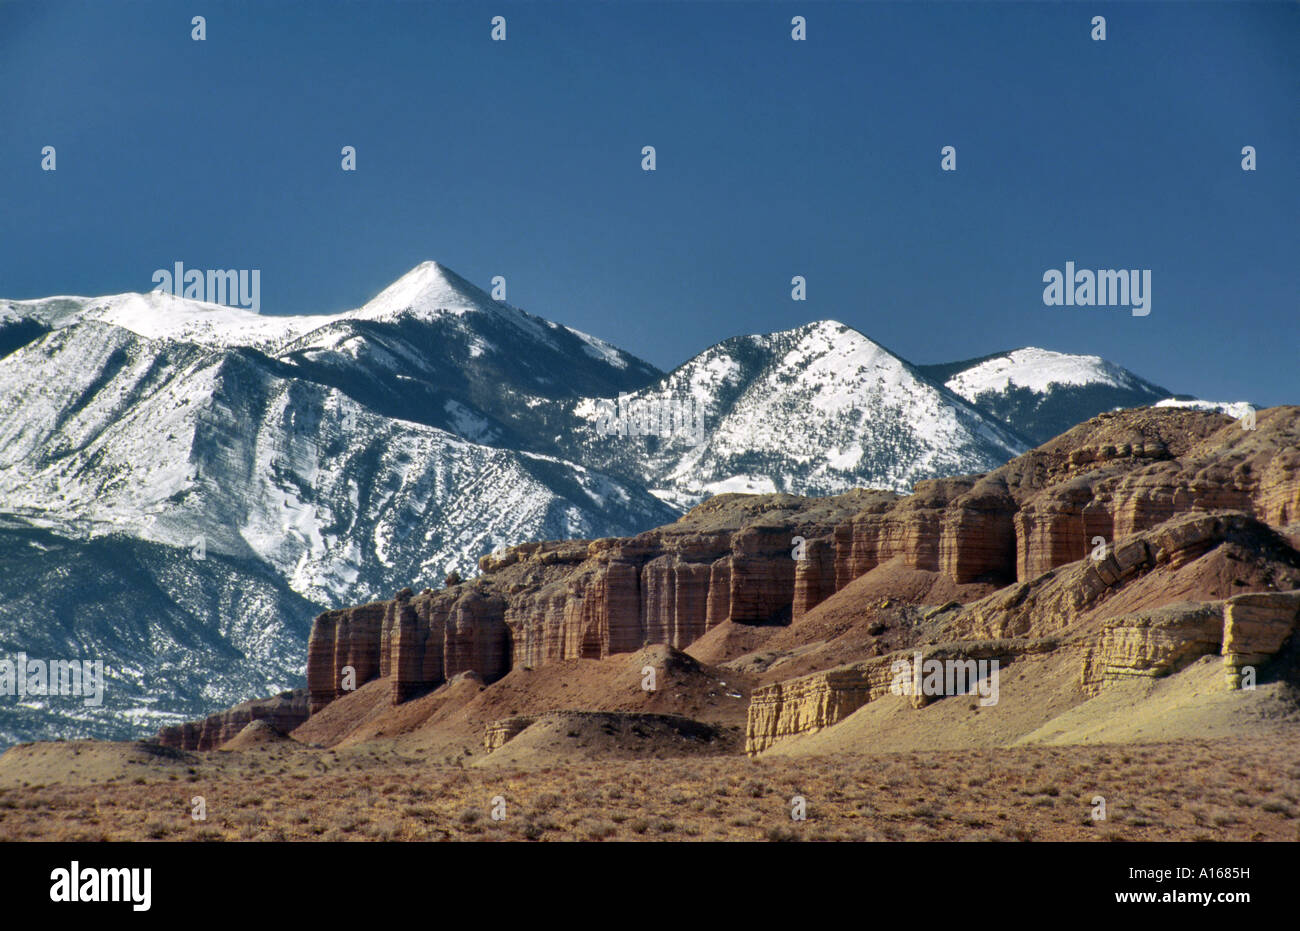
(1234, 409)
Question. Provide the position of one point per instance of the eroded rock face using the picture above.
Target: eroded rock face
(1248, 630)
(1055, 601)
(814, 576)
(498, 732)
(977, 541)
(1149, 485)
(1100, 484)
(284, 712)
(807, 704)
(1153, 643)
(416, 635)
(810, 703)
(1058, 526)
(475, 637)
(417, 641)
(1256, 626)
(730, 558)
(346, 638)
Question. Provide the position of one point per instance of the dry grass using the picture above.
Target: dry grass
(1188, 790)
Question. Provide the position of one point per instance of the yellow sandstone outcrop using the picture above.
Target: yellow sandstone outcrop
(807, 704)
(1247, 629)
(1153, 643)
(1255, 626)
(498, 732)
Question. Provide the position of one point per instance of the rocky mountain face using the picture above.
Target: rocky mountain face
(1246, 630)
(1251, 632)
(321, 461)
(1100, 535)
(1101, 520)
(177, 636)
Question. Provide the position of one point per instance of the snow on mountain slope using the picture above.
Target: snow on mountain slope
(1237, 409)
(160, 315)
(165, 441)
(815, 410)
(178, 636)
(323, 460)
(434, 349)
(429, 292)
(1041, 393)
(1038, 370)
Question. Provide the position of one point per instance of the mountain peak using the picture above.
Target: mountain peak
(828, 328)
(1042, 392)
(1037, 370)
(428, 289)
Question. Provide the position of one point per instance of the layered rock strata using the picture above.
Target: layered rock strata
(497, 733)
(1255, 627)
(1248, 630)
(1136, 488)
(1153, 643)
(807, 704)
(1056, 600)
(284, 712)
(1087, 491)
(731, 558)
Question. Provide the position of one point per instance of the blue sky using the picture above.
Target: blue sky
(775, 158)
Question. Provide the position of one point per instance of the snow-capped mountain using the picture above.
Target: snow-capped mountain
(273, 457)
(341, 457)
(815, 410)
(324, 460)
(429, 292)
(1040, 393)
